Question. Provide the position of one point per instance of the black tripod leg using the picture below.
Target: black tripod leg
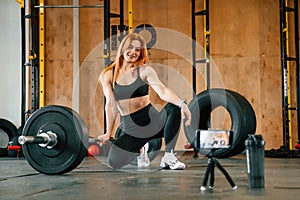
(204, 183)
(225, 174)
(212, 174)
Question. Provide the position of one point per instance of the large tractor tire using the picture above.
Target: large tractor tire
(243, 120)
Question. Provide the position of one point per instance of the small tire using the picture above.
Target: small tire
(7, 131)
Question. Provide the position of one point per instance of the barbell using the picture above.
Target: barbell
(55, 138)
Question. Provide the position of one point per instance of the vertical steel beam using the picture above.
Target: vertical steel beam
(207, 42)
(23, 65)
(106, 27)
(34, 56)
(41, 55)
(130, 16)
(28, 57)
(288, 78)
(194, 82)
(122, 27)
(76, 62)
(285, 71)
(206, 46)
(296, 22)
(107, 16)
(284, 74)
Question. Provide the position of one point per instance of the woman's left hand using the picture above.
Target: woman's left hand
(186, 114)
(103, 139)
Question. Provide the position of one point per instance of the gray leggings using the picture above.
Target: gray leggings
(140, 127)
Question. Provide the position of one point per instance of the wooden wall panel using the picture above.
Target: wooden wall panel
(235, 51)
(270, 74)
(59, 54)
(91, 64)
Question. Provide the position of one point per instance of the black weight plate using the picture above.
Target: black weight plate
(7, 131)
(72, 136)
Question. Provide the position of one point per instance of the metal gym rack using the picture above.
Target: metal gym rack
(286, 59)
(33, 47)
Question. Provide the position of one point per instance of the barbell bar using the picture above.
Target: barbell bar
(48, 139)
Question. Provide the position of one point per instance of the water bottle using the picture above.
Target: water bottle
(255, 161)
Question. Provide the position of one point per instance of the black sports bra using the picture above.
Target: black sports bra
(136, 89)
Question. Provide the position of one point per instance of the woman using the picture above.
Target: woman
(125, 85)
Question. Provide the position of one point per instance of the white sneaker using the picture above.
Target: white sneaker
(169, 161)
(143, 159)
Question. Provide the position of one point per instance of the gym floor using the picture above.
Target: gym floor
(92, 179)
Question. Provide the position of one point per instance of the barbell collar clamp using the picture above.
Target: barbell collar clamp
(48, 139)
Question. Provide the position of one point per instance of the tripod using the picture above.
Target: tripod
(212, 162)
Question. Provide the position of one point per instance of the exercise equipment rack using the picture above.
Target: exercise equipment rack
(206, 45)
(286, 149)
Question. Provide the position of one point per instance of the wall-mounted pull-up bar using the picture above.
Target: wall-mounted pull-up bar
(72, 6)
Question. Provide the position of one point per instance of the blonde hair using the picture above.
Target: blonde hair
(125, 43)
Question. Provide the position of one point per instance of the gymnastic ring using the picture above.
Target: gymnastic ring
(152, 31)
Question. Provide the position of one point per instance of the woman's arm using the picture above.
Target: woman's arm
(165, 93)
(110, 106)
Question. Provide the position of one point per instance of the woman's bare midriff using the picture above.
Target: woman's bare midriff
(129, 106)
